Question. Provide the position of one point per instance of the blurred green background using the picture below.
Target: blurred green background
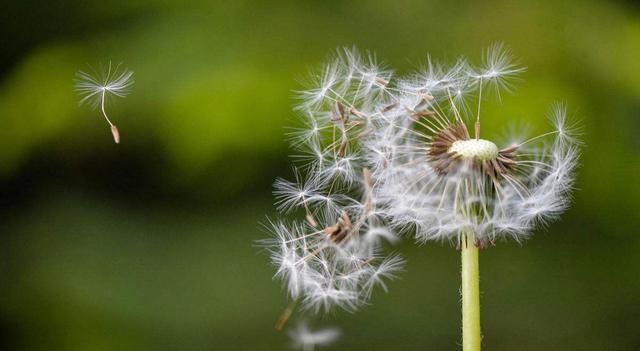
(149, 245)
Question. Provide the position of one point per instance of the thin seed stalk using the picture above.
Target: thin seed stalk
(286, 314)
(470, 294)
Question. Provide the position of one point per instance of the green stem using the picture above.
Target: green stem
(470, 294)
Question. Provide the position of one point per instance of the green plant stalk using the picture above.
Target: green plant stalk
(470, 294)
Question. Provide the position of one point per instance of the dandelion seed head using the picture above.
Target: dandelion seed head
(382, 155)
(480, 149)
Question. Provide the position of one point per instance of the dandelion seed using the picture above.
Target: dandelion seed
(304, 338)
(94, 88)
(498, 68)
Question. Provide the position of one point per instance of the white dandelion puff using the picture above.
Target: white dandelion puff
(329, 265)
(442, 179)
(94, 88)
(383, 155)
(333, 257)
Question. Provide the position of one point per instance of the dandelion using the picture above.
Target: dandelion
(426, 170)
(333, 256)
(302, 337)
(95, 87)
(443, 180)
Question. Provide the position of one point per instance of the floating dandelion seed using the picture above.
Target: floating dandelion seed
(385, 155)
(302, 337)
(95, 87)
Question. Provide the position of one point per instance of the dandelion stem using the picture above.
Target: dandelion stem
(470, 294)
